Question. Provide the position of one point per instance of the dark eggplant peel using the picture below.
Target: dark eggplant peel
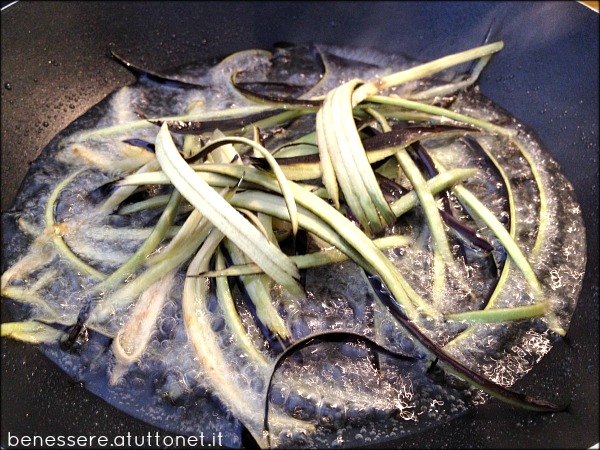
(322, 246)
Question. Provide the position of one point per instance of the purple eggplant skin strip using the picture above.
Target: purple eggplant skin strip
(408, 135)
(290, 102)
(103, 191)
(446, 213)
(466, 231)
(394, 138)
(391, 190)
(331, 336)
(156, 77)
(458, 369)
(142, 144)
(276, 343)
(193, 127)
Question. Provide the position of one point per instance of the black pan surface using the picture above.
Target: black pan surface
(55, 66)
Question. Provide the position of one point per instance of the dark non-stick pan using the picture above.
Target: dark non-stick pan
(55, 66)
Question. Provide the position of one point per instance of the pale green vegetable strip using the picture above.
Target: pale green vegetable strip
(41, 253)
(213, 179)
(31, 332)
(258, 288)
(352, 168)
(253, 218)
(141, 124)
(501, 314)
(345, 104)
(127, 159)
(27, 227)
(435, 66)
(192, 145)
(450, 88)
(299, 149)
(148, 246)
(30, 297)
(309, 260)
(215, 366)
(123, 192)
(57, 240)
(337, 134)
(158, 201)
(192, 227)
(275, 263)
(476, 208)
(281, 179)
(441, 249)
(266, 221)
(410, 104)
(436, 184)
(543, 224)
(133, 337)
(327, 172)
(278, 119)
(117, 233)
(385, 126)
(429, 205)
(512, 229)
(233, 318)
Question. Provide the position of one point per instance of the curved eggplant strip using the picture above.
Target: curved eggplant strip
(103, 191)
(466, 231)
(406, 136)
(447, 216)
(331, 336)
(191, 127)
(276, 343)
(392, 191)
(455, 367)
(163, 79)
(142, 144)
(287, 102)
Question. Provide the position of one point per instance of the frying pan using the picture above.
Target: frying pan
(55, 66)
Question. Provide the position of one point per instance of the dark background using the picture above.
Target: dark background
(55, 66)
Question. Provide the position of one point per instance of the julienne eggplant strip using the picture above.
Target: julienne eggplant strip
(260, 119)
(479, 210)
(287, 103)
(452, 365)
(446, 213)
(57, 239)
(154, 76)
(197, 321)
(328, 336)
